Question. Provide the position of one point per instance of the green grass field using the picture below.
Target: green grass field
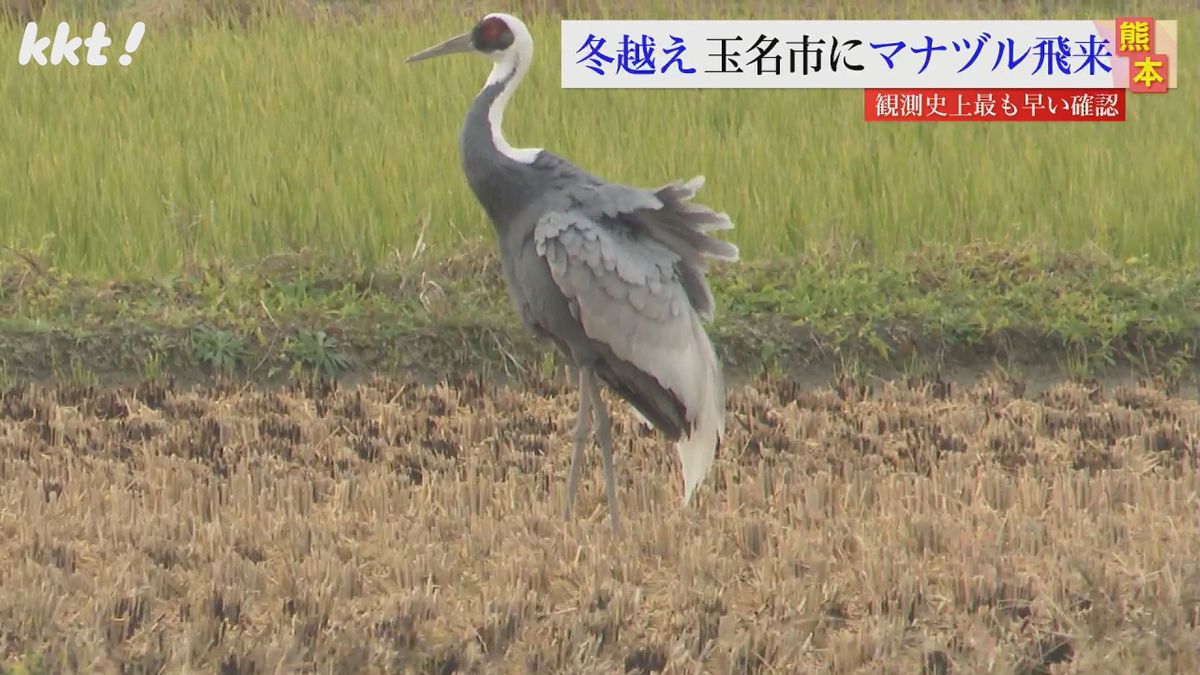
(237, 144)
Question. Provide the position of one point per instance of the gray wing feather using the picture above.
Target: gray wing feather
(631, 265)
(630, 298)
(666, 216)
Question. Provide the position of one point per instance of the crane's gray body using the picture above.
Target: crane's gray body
(612, 275)
(631, 257)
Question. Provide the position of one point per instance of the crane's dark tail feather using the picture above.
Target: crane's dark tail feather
(683, 227)
(653, 403)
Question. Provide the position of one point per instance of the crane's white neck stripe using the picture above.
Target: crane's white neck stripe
(509, 71)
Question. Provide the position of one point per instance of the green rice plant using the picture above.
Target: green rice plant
(289, 134)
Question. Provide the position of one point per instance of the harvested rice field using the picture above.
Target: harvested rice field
(907, 526)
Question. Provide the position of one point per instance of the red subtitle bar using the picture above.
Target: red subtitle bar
(994, 105)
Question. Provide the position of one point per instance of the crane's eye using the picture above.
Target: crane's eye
(492, 34)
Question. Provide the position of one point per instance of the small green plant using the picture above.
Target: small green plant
(548, 364)
(152, 367)
(219, 349)
(159, 344)
(80, 374)
(850, 366)
(317, 352)
(1077, 363)
(914, 367)
(291, 295)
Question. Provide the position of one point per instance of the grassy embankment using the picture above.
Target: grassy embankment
(239, 196)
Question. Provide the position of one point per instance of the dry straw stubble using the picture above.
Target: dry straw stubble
(892, 527)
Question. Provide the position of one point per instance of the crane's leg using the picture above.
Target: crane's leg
(583, 428)
(604, 438)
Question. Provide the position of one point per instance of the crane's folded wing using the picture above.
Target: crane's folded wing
(629, 297)
(666, 216)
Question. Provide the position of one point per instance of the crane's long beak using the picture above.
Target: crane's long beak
(455, 45)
